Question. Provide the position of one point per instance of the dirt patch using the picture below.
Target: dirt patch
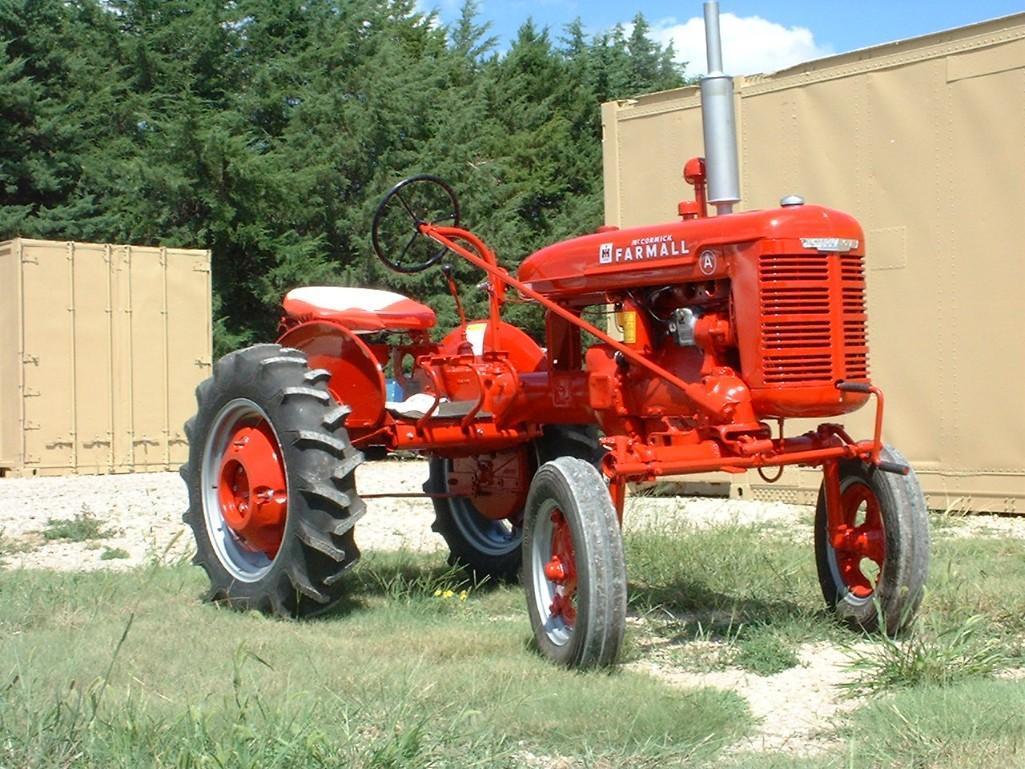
(795, 710)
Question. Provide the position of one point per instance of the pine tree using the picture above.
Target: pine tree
(268, 130)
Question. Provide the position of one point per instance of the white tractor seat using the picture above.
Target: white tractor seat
(359, 309)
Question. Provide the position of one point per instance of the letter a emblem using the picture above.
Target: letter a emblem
(708, 262)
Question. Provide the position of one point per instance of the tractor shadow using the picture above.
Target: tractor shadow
(675, 614)
(692, 598)
(404, 579)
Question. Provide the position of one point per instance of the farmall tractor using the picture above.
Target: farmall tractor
(731, 324)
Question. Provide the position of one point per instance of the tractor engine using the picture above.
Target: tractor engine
(766, 314)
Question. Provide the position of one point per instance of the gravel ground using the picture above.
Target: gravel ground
(142, 514)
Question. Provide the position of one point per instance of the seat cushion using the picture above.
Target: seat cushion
(359, 309)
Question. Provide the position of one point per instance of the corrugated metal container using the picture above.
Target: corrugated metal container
(101, 348)
(924, 142)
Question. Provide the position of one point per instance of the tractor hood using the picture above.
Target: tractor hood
(614, 259)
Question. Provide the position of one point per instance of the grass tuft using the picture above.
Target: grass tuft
(765, 651)
(408, 584)
(9, 546)
(949, 655)
(84, 527)
(114, 554)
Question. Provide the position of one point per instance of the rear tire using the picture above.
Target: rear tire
(864, 593)
(574, 567)
(493, 550)
(293, 565)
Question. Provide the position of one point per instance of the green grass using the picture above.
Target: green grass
(765, 650)
(403, 679)
(754, 590)
(932, 699)
(982, 575)
(749, 590)
(728, 573)
(114, 554)
(84, 527)
(423, 669)
(973, 725)
(931, 656)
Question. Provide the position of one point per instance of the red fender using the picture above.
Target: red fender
(356, 377)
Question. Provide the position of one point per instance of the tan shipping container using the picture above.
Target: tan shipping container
(924, 142)
(101, 348)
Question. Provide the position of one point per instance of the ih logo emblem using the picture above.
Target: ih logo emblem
(708, 262)
(605, 254)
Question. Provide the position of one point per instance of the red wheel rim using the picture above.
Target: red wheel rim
(859, 542)
(561, 570)
(251, 490)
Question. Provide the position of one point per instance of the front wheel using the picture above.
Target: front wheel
(574, 567)
(491, 549)
(872, 570)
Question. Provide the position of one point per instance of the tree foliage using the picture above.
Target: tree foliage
(267, 130)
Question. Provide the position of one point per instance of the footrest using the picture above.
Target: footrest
(416, 406)
(457, 409)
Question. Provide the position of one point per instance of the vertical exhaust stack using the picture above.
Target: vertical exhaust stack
(718, 121)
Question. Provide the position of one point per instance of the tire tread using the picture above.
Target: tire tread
(305, 577)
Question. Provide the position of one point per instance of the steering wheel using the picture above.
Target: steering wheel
(418, 200)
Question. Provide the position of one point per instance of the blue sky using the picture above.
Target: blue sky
(759, 35)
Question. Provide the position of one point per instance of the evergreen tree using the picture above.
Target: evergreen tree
(268, 130)
(49, 54)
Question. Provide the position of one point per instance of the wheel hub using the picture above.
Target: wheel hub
(252, 490)
(561, 570)
(854, 543)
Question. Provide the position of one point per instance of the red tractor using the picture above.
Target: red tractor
(729, 323)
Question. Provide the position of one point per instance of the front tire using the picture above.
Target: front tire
(875, 577)
(574, 566)
(272, 498)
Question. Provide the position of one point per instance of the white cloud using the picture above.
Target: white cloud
(750, 44)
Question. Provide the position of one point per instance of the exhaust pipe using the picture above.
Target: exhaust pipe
(719, 121)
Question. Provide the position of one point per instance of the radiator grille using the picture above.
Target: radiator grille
(813, 318)
(854, 317)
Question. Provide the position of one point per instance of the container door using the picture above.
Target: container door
(92, 361)
(48, 359)
(149, 361)
(188, 338)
